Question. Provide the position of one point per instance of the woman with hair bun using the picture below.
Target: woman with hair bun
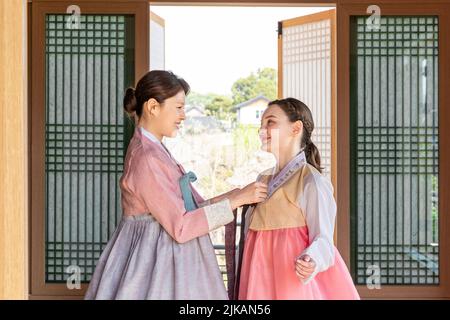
(161, 248)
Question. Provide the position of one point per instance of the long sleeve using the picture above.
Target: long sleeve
(157, 187)
(319, 207)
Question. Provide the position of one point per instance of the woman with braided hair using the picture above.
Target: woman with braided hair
(289, 251)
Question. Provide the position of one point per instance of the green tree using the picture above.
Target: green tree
(264, 82)
(220, 107)
(199, 99)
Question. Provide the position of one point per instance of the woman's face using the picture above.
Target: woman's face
(277, 133)
(171, 114)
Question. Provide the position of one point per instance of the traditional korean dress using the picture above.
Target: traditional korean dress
(296, 219)
(160, 250)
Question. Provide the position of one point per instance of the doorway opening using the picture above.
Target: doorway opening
(237, 59)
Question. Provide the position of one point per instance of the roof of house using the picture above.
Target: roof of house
(192, 107)
(246, 103)
(207, 122)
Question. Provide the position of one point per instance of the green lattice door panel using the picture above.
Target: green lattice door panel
(394, 139)
(87, 70)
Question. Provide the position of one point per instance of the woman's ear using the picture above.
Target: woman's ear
(152, 107)
(297, 127)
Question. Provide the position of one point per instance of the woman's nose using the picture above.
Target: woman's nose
(262, 133)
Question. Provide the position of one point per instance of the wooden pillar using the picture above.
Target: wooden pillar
(13, 151)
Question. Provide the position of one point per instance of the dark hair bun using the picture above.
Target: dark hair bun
(129, 101)
(157, 84)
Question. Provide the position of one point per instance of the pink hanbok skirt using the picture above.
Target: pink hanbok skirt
(268, 269)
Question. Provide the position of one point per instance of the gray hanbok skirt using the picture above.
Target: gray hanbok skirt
(142, 261)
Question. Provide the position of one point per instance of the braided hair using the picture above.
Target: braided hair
(297, 110)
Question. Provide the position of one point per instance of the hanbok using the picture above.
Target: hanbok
(296, 219)
(160, 250)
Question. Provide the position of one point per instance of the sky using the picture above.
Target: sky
(211, 47)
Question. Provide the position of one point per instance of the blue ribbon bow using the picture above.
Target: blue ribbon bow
(186, 191)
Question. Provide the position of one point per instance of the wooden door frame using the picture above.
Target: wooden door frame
(140, 9)
(344, 8)
(344, 13)
(14, 271)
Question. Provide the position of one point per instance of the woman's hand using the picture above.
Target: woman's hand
(304, 267)
(253, 193)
